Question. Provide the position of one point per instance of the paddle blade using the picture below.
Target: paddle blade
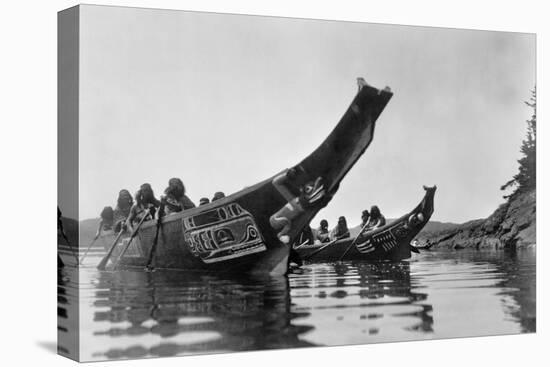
(103, 263)
(105, 260)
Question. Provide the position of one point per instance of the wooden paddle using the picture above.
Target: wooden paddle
(88, 249)
(155, 241)
(103, 263)
(307, 257)
(354, 241)
(300, 245)
(131, 239)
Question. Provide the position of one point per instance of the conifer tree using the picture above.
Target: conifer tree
(526, 178)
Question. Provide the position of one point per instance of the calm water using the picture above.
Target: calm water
(433, 295)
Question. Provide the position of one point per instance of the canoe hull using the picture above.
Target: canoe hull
(233, 244)
(390, 242)
(236, 234)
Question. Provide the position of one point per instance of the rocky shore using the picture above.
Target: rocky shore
(512, 225)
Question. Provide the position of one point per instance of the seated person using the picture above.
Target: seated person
(204, 201)
(145, 205)
(122, 210)
(365, 218)
(218, 195)
(376, 219)
(323, 234)
(341, 230)
(106, 222)
(306, 237)
(175, 199)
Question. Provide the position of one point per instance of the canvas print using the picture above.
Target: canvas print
(236, 183)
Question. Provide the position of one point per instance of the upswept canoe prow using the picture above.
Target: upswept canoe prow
(389, 242)
(348, 140)
(251, 230)
(394, 238)
(326, 167)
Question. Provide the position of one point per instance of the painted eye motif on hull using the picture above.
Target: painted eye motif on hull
(416, 219)
(223, 233)
(252, 233)
(224, 236)
(313, 191)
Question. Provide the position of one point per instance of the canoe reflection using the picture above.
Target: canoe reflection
(365, 298)
(177, 313)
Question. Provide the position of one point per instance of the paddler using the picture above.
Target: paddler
(218, 195)
(146, 204)
(341, 230)
(306, 236)
(107, 220)
(322, 234)
(122, 210)
(365, 215)
(175, 198)
(376, 218)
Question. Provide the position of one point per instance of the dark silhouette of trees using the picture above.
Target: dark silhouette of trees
(526, 178)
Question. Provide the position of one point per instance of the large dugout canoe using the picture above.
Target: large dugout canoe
(235, 234)
(389, 242)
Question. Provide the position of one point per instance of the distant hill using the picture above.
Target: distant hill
(88, 228)
(435, 226)
(512, 225)
(435, 229)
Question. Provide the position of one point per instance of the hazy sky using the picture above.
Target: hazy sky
(224, 101)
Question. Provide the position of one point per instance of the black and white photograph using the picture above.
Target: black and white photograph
(231, 183)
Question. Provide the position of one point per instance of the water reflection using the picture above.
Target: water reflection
(480, 292)
(177, 313)
(523, 265)
(516, 272)
(434, 295)
(363, 301)
(67, 312)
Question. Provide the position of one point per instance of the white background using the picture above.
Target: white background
(28, 169)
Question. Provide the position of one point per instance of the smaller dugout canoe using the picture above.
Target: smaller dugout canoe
(389, 242)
